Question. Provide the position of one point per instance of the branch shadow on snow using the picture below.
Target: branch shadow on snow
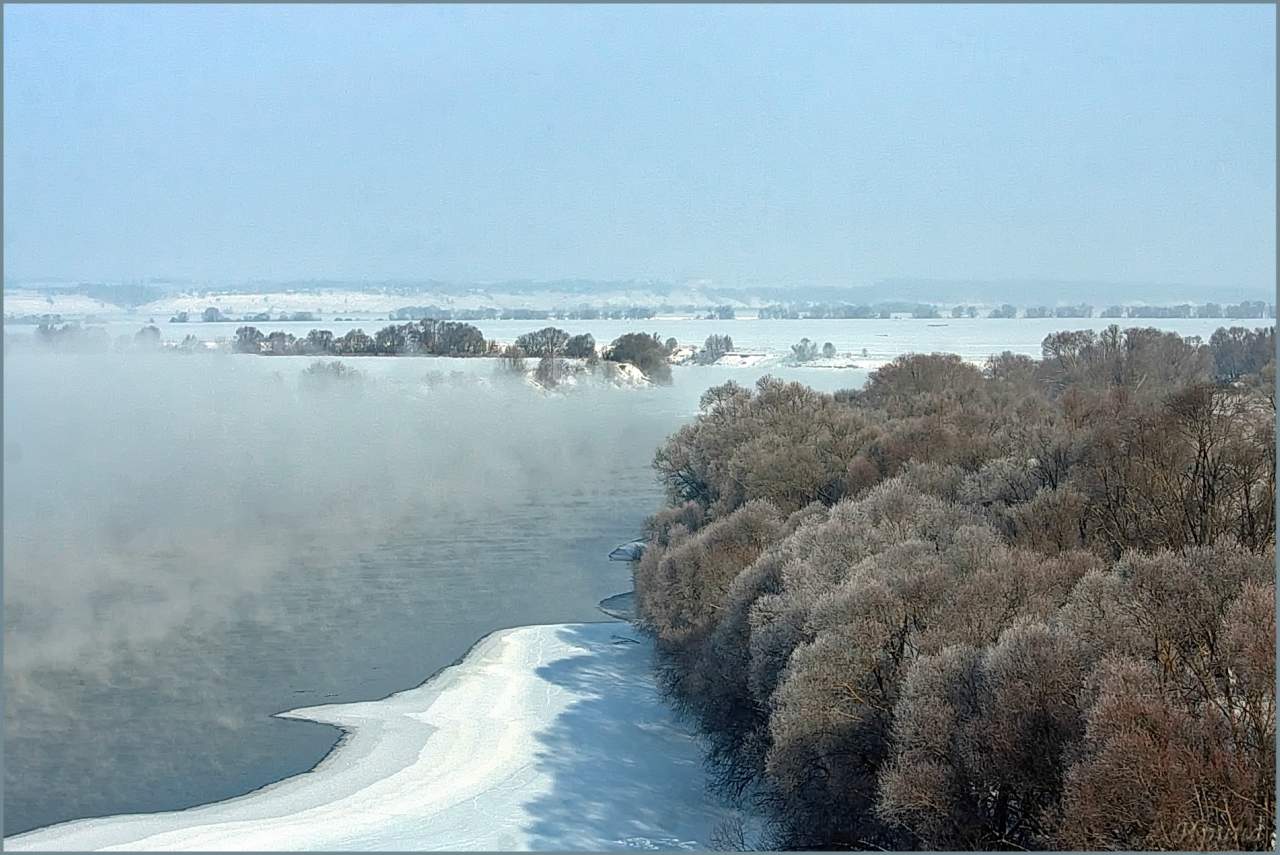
(625, 773)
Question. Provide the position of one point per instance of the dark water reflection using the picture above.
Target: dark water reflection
(185, 721)
(144, 680)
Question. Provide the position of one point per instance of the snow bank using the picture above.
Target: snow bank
(684, 354)
(543, 737)
(839, 362)
(625, 375)
(742, 359)
(630, 551)
(577, 373)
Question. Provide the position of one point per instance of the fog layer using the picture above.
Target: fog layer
(193, 543)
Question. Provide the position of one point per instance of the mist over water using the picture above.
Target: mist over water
(194, 543)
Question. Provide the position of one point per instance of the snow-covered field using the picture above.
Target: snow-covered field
(737, 359)
(28, 302)
(542, 738)
(327, 301)
(758, 343)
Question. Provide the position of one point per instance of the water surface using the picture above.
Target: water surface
(193, 543)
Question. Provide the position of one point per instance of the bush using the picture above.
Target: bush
(804, 351)
(686, 587)
(645, 352)
(713, 348)
(581, 347)
(546, 342)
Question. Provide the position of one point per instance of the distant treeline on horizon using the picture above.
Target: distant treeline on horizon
(937, 291)
(1244, 310)
(809, 311)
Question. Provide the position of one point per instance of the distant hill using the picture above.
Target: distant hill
(562, 292)
(1049, 292)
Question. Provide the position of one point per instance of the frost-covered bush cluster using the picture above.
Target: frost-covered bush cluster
(1030, 606)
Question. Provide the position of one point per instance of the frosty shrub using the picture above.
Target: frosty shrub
(1028, 606)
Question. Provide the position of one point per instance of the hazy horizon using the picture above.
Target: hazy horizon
(741, 146)
(569, 293)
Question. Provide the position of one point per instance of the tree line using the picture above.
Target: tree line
(431, 337)
(582, 313)
(428, 337)
(1246, 309)
(1023, 606)
(214, 315)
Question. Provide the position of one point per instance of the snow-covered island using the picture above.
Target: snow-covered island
(541, 738)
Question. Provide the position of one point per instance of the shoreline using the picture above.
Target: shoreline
(510, 730)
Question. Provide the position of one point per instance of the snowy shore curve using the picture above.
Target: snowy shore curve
(547, 737)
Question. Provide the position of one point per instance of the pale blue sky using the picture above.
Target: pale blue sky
(827, 145)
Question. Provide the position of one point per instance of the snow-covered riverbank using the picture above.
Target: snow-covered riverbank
(542, 737)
